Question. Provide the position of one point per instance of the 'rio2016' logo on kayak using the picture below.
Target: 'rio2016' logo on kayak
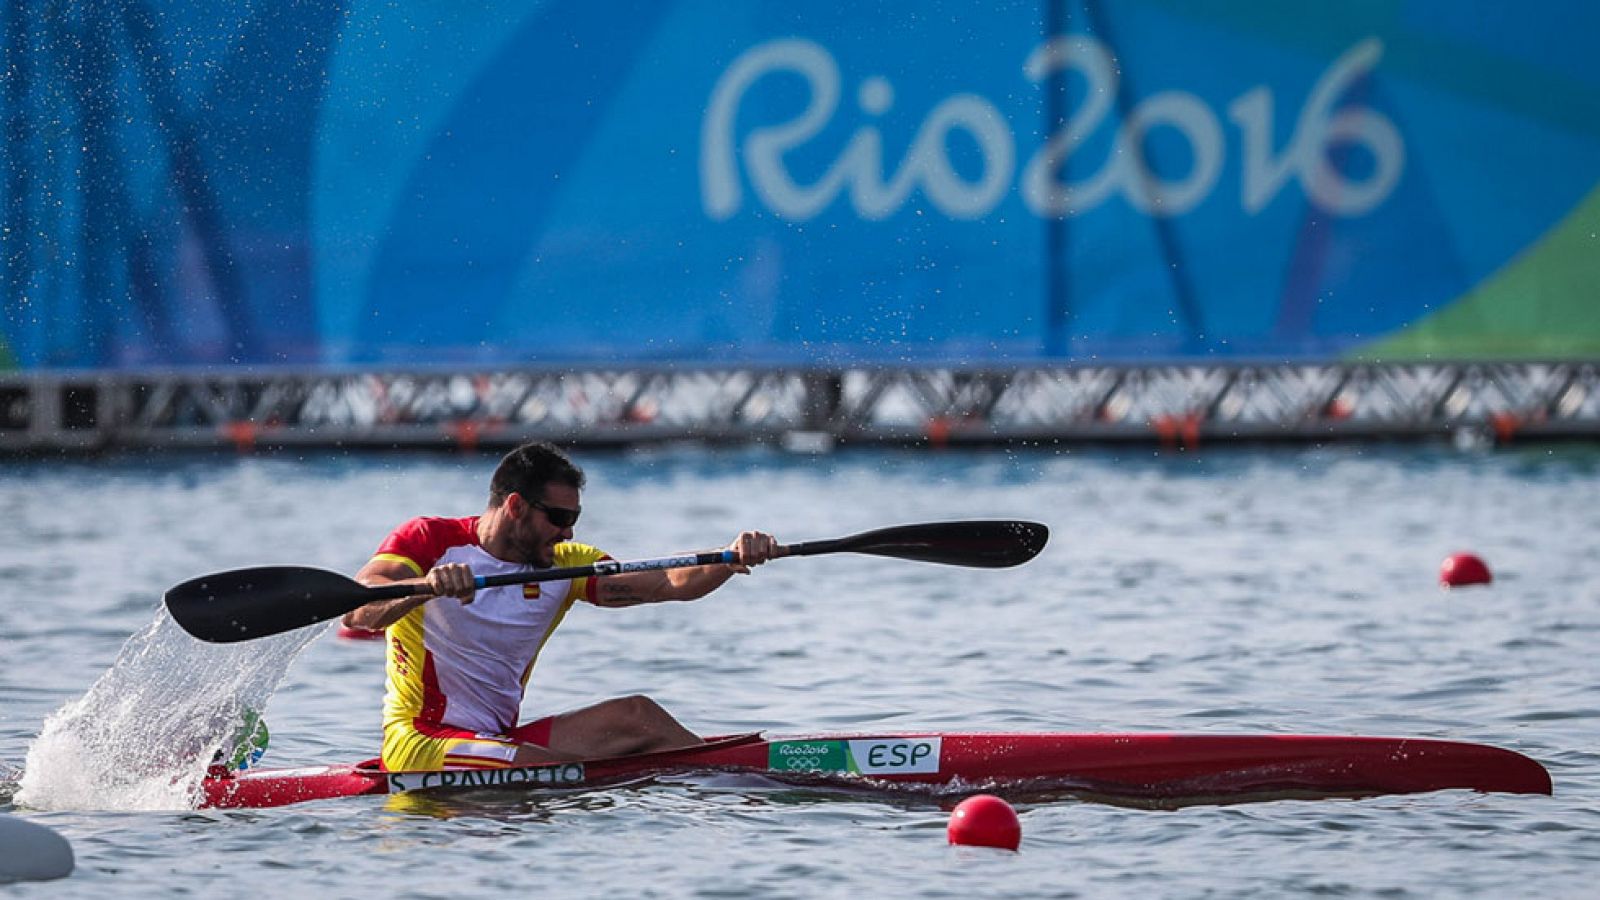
(564, 774)
(808, 756)
(865, 756)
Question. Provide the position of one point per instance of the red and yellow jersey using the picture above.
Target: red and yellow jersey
(465, 666)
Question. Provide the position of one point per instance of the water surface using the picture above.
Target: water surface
(1225, 591)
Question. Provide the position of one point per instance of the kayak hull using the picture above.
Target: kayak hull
(1167, 769)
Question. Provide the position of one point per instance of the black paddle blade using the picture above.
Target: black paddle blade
(244, 604)
(985, 545)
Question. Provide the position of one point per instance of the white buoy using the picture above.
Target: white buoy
(32, 852)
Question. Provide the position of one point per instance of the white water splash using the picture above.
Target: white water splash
(143, 734)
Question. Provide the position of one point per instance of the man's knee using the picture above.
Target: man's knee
(638, 709)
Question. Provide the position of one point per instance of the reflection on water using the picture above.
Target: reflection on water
(681, 792)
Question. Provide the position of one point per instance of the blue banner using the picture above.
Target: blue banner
(923, 181)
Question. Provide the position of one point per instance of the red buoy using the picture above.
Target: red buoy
(1462, 569)
(984, 820)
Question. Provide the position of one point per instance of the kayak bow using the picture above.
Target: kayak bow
(1165, 769)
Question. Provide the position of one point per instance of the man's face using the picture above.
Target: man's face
(535, 533)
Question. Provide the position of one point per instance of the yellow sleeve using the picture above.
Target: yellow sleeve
(571, 553)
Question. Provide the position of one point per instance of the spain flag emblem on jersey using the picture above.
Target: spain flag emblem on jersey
(530, 591)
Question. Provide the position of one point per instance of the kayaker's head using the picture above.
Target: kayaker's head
(533, 503)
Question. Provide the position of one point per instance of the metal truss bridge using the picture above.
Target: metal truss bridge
(799, 408)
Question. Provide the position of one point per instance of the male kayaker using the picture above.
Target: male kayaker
(459, 660)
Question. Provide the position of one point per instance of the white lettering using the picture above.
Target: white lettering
(1187, 115)
(1041, 189)
(859, 168)
(945, 187)
(1317, 130)
(719, 177)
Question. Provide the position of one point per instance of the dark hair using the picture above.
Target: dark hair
(527, 469)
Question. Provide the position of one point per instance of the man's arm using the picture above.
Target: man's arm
(449, 580)
(752, 548)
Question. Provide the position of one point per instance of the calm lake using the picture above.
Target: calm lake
(1230, 590)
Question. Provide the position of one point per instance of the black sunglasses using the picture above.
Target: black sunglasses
(559, 516)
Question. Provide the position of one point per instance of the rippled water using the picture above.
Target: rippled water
(1231, 590)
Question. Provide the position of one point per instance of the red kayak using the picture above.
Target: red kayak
(1165, 769)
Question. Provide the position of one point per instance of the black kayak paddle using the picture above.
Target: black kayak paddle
(244, 604)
